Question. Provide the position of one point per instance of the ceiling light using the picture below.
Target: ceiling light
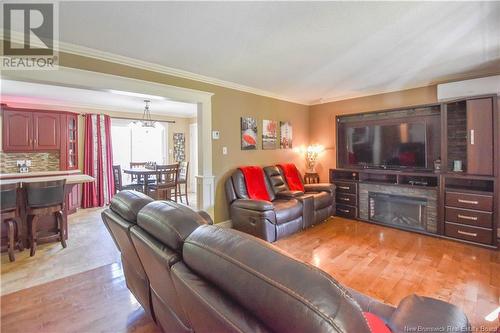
(133, 94)
(146, 117)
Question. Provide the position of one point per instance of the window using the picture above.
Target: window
(138, 144)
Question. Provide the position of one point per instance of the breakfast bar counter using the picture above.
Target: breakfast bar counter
(46, 223)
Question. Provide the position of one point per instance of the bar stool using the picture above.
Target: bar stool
(9, 213)
(42, 199)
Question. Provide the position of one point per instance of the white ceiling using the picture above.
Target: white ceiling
(20, 93)
(305, 51)
(302, 50)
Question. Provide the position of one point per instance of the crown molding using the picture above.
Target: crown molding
(61, 106)
(123, 60)
(127, 61)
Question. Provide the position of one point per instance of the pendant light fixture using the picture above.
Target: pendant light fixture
(146, 117)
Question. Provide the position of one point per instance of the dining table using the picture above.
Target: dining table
(141, 173)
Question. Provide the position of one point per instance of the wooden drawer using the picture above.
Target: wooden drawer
(346, 199)
(346, 211)
(342, 187)
(470, 217)
(468, 233)
(470, 201)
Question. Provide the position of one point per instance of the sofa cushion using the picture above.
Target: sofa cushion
(169, 222)
(128, 203)
(321, 199)
(276, 179)
(287, 210)
(271, 285)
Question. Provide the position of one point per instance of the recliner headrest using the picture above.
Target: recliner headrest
(128, 203)
(262, 279)
(169, 222)
(272, 171)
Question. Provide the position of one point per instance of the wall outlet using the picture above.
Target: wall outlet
(28, 163)
(224, 150)
(215, 135)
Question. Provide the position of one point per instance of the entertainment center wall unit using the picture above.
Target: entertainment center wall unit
(432, 169)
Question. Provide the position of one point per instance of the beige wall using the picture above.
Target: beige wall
(314, 124)
(322, 117)
(228, 106)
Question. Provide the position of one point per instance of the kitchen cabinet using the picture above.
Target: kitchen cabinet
(27, 131)
(74, 199)
(17, 131)
(69, 142)
(46, 131)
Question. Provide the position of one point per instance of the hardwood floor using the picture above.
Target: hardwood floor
(385, 263)
(389, 264)
(89, 246)
(94, 301)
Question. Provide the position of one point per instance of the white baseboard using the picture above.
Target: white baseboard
(225, 224)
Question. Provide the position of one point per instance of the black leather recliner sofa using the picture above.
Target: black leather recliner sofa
(322, 195)
(288, 211)
(195, 277)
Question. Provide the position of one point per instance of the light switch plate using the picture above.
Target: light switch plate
(224, 150)
(20, 162)
(215, 135)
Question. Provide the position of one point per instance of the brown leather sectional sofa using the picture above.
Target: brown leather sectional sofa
(194, 277)
(286, 213)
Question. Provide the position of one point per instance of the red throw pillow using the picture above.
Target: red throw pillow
(255, 182)
(376, 324)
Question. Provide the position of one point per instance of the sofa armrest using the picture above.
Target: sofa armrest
(429, 314)
(206, 217)
(259, 205)
(322, 187)
(289, 194)
(368, 304)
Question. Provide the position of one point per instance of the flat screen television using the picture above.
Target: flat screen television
(401, 145)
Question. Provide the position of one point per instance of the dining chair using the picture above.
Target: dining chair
(117, 180)
(42, 199)
(150, 165)
(136, 165)
(10, 215)
(182, 180)
(166, 182)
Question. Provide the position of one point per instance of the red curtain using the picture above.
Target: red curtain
(98, 161)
